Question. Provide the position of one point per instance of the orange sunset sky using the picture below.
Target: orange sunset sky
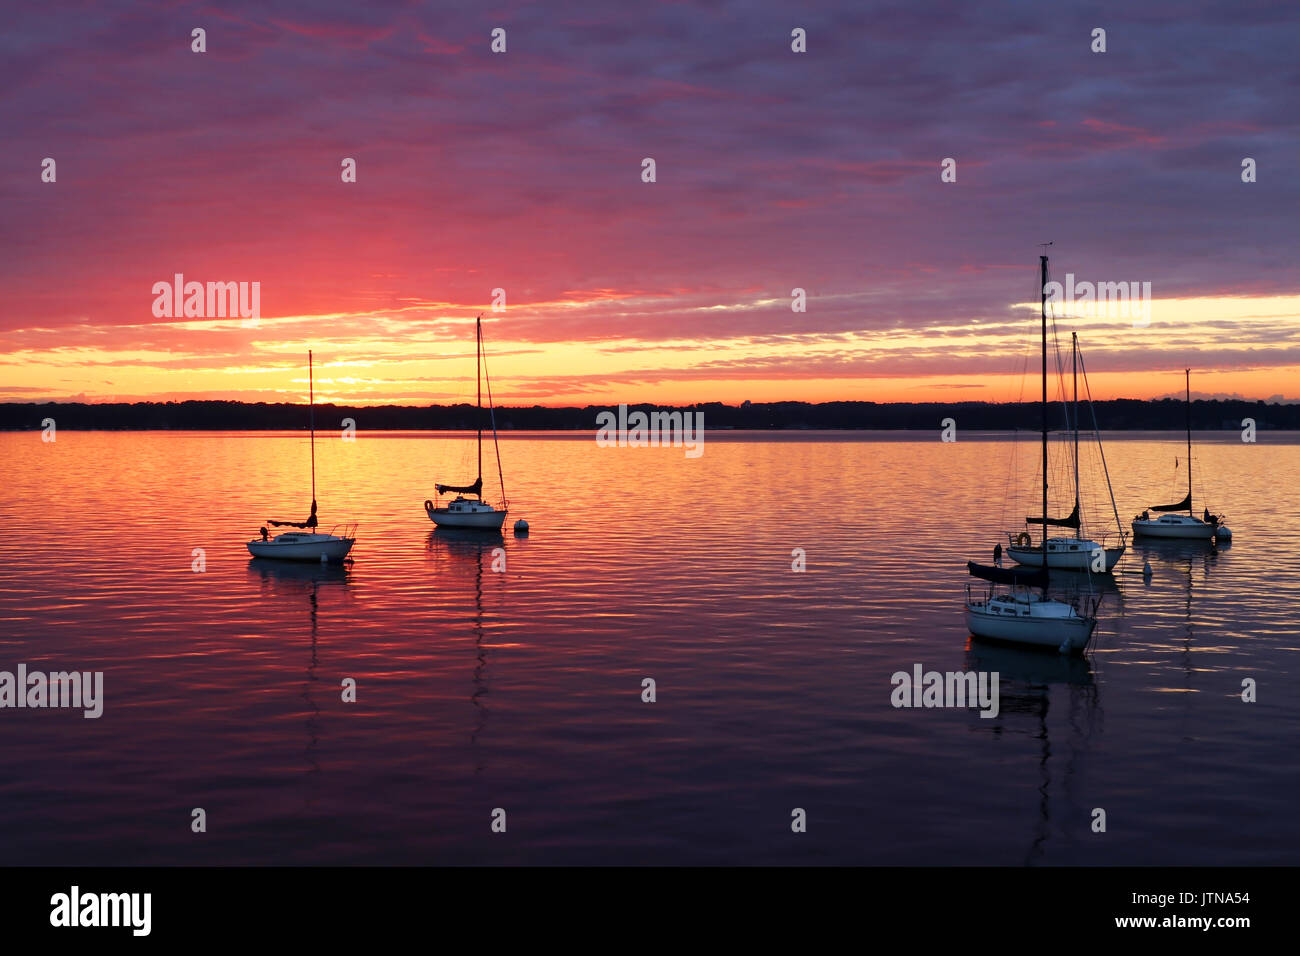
(523, 171)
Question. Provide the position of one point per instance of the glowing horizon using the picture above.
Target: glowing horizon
(883, 366)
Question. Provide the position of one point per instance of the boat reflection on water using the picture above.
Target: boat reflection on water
(1183, 563)
(275, 575)
(1029, 682)
(460, 555)
(1180, 553)
(464, 542)
(289, 581)
(1173, 559)
(1028, 668)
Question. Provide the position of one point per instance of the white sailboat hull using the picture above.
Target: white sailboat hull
(1042, 623)
(484, 521)
(295, 546)
(1074, 556)
(1174, 526)
(470, 514)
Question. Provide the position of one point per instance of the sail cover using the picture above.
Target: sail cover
(1071, 522)
(1030, 577)
(309, 523)
(474, 489)
(1184, 505)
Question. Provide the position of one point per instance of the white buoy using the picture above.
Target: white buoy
(1223, 533)
(521, 526)
(1146, 570)
(323, 559)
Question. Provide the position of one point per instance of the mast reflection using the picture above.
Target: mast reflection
(463, 554)
(289, 582)
(1029, 682)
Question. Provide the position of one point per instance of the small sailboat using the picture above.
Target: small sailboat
(1069, 552)
(305, 545)
(1024, 614)
(474, 513)
(1188, 526)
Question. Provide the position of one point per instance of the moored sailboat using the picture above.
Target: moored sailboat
(1023, 615)
(475, 512)
(1188, 526)
(307, 544)
(1069, 552)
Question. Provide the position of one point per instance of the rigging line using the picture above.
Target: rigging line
(1028, 353)
(1060, 373)
(1083, 367)
(1060, 380)
(492, 411)
(1012, 473)
(311, 404)
(478, 360)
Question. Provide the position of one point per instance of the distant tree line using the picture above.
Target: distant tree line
(1117, 414)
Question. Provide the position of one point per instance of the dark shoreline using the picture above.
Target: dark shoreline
(1111, 415)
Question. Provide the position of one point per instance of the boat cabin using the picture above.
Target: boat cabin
(463, 505)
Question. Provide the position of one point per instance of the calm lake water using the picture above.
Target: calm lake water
(522, 689)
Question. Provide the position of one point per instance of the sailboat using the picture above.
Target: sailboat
(1068, 552)
(306, 545)
(474, 512)
(1186, 526)
(1022, 615)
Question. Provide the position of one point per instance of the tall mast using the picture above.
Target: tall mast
(1074, 362)
(1187, 378)
(478, 377)
(492, 417)
(311, 403)
(1043, 311)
